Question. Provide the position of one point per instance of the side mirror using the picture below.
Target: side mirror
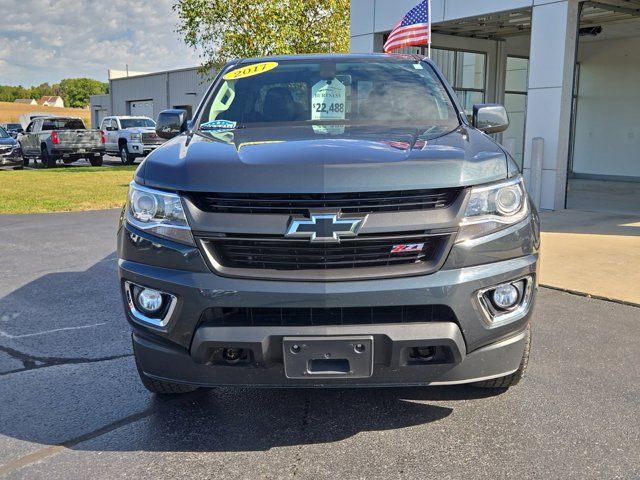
(490, 118)
(171, 123)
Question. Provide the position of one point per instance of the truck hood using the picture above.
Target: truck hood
(318, 159)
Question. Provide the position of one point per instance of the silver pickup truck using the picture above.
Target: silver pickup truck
(61, 138)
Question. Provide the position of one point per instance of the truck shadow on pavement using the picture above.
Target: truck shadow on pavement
(90, 398)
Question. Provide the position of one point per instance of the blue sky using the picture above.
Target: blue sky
(48, 40)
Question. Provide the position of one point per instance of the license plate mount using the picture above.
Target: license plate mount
(328, 357)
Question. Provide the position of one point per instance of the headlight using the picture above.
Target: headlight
(136, 137)
(493, 207)
(158, 212)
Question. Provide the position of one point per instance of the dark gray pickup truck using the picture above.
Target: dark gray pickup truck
(61, 138)
(329, 221)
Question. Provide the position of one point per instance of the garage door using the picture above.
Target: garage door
(142, 108)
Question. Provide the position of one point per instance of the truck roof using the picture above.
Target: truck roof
(334, 56)
(127, 117)
(57, 117)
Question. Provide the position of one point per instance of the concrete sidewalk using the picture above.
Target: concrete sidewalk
(592, 253)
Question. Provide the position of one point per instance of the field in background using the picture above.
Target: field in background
(10, 112)
(64, 189)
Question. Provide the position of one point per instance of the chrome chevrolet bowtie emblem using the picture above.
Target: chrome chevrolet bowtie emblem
(325, 227)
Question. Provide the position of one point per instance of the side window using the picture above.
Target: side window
(29, 128)
(106, 123)
(48, 125)
(115, 124)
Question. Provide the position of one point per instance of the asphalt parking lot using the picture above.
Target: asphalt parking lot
(72, 405)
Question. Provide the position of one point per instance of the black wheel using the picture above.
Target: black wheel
(25, 161)
(515, 377)
(159, 387)
(47, 160)
(96, 161)
(125, 157)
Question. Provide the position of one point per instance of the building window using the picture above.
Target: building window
(515, 101)
(466, 72)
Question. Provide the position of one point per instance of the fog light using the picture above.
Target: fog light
(506, 296)
(150, 301)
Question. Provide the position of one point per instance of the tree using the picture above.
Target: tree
(76, 91)
(222, 29)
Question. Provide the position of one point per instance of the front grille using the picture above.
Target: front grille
(151, 138)
(262, 317)
(278, 253)
(293, 204)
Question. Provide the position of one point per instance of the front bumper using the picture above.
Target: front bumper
(180, 351)
(171, 364)
(9, 163)
(141, 149)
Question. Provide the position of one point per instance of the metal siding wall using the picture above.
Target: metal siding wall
(184, 82)
(148, 87)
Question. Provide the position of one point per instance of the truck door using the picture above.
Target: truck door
(28, 140)
(114, 134)
(111, 140)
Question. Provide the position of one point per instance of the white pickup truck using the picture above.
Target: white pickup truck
(130, 137)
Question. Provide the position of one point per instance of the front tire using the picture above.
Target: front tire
(25, 161)
(160, 387)
(125, 157)
(515, 377)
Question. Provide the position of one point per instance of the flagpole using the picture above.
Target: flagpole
(429, 43)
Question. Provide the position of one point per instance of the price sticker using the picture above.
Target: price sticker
(328, 100)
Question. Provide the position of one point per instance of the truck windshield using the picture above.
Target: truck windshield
(137, 122)
(63, 124)
(393, 92)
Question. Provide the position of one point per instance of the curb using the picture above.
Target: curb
(589, 295)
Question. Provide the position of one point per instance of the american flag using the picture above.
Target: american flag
(413, 29)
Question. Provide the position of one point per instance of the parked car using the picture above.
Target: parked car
(329, 221)
(13, 129)
(130, 137)
(10, 153)
(61, 138)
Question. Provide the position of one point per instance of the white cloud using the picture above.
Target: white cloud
(48, 40)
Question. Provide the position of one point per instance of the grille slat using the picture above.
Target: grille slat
(292, 204)
(256, 317)
(284, 254)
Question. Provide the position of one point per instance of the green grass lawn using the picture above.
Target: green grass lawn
(64, 189)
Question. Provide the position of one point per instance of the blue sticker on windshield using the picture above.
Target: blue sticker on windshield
(218, 125)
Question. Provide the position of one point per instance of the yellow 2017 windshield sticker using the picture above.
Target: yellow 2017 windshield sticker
(250, 70)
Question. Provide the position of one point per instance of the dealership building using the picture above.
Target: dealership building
(147, 94)
(567, 71)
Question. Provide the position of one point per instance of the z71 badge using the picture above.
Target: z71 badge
(409, 247)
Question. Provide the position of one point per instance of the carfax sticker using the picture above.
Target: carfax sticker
(328, 100)
(218, 125)
(250, 70)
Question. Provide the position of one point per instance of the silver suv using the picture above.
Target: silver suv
(130, 137)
